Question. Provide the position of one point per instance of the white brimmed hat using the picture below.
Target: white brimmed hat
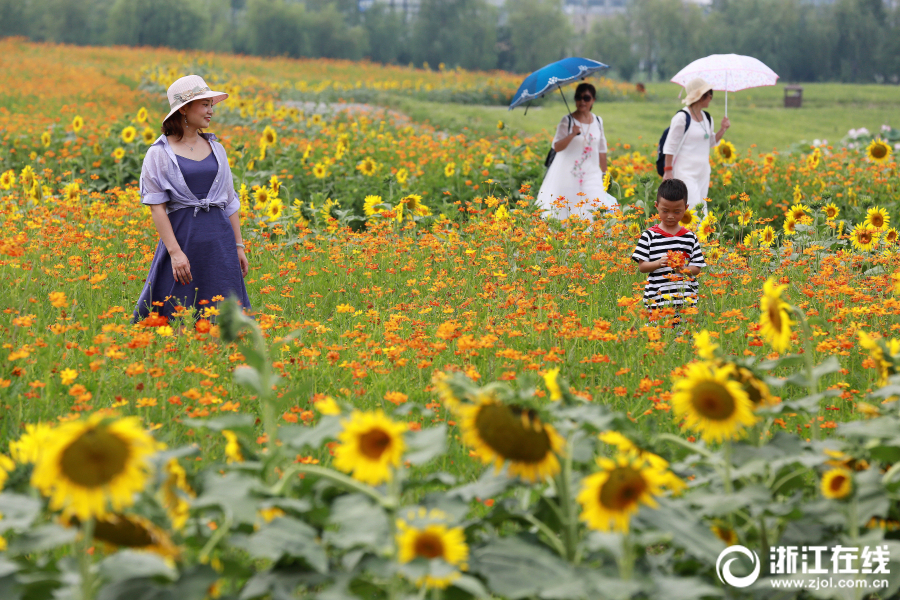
(188, 89)
(695, 90)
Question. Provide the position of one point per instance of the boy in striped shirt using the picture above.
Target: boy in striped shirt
(669, 254)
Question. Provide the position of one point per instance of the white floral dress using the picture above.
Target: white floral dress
(573, 185)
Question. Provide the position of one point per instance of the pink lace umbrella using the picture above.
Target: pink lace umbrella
(728, 73)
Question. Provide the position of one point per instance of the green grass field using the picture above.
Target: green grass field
(757, 116)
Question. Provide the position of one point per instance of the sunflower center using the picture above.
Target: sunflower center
(624, 488)
(877, 220)
(428, 545)
(95, 458)
(879, 151)
(513, 433)
(864, 237)
(374, 443)
(713, 401)
(837, 483)
(775, 316)
(123, 532)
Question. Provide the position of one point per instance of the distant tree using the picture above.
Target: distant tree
(64, 21)
(276, 28)
(456, 33)
(221, 35)
(387, 31)
(330, 36)
(12, 18)
(860, 29)
(539, 33)
(610, 42)
(172, 23)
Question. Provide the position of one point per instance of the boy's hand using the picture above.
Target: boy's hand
(662, 262)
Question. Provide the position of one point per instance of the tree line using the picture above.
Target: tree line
(843, 40)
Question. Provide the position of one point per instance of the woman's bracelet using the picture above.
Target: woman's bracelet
(667, 168)
(240, 245)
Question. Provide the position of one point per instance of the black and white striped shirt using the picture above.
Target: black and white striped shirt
(664, 286)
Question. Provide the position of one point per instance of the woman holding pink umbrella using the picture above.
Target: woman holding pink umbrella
(691, 136)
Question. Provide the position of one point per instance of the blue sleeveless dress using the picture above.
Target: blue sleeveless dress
(207, 239)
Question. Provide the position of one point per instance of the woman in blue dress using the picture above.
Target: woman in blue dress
(186, 181)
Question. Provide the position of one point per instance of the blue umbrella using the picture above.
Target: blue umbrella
(554, 75)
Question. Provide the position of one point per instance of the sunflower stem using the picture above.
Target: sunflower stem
(626, 564)
(221, 531)
(348, 483)
(549, 533)
(686, 444)
(85, 559)
(567, 502)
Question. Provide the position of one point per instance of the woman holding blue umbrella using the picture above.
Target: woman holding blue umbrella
(573, 185)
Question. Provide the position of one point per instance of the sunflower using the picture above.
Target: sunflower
(274, 209)
(878, 151)
(269, 136)
(712, 403)
(769, 159)
(402, 176)
(626, 446)
(864, 237)
(725, 152)
(316, 119)
(72, 192)
(797, 212)
(706, 348)
(87, 464)
(752, 238)
(413, 203)
(883, 353)
(141, 115)
(725, 533)
(444, 386)
(610, 497)
(890, 237)
(77, 123)
(552, 384)
(745, 216)
(274, 184)
(370, 203)
(370, 444)
(7, 465)
(774, 318)
(262, 198)
(46, 139)
(797, 195)
(128, 134)
(790, 226)
(175, 492)
(449, 169)
(28, 448)
(501, 433)
(148, 135)
(877, 218)
(837, 483)
(367, 167)
(489, 160)
(831, 211)
(500, 125)
(118, 153)
(320, 171)
(7, 179)
(135, 533)
(757, 389)
(689, 219)
(767, 236)
(812, 161)
(425, 535)
(707, 228)
(233, 452)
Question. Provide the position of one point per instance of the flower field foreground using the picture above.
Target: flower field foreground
(438, 393)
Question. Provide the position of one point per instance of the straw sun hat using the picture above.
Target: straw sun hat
(695, 90)
(188, 89)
